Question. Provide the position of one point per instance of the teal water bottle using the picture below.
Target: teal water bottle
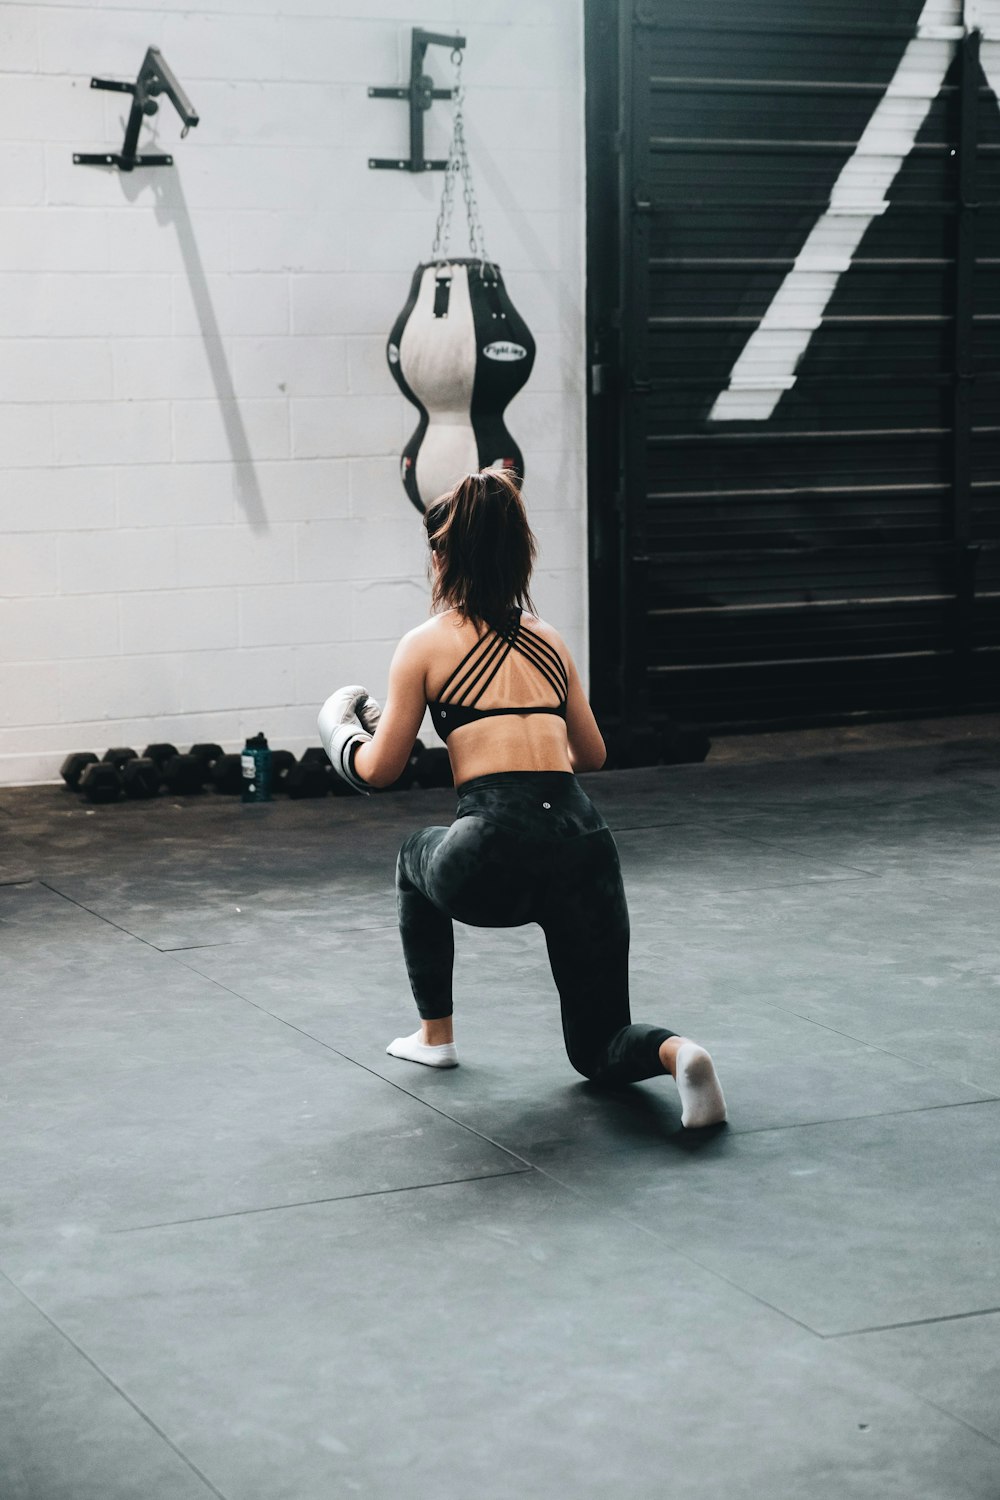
(256, 764)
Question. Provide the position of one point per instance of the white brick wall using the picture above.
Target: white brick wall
(202, 529)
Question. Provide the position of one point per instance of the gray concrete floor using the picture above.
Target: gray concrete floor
(246, 1254)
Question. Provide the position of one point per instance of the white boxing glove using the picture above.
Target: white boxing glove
(369, 713)
(342, 731)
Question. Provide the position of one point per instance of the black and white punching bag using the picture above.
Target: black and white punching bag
(460, 351)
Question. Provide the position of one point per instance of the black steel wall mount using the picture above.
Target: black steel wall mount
(155, 78)
(420, 94)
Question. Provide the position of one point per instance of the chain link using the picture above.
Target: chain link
(458, 167)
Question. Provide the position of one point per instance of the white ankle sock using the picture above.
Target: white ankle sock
(701, 1093)
(414, 1050)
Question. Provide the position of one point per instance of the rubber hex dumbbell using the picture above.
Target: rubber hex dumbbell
(227, 775)
(184, 775)
(101, 782)
(118, 756)
(317, 756)
(74, 766)
(282, 762)
(141, 778)
(433, 769)
(310, 776)
(208, 754)
(161, 753)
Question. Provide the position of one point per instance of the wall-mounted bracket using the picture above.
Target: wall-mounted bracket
(420, 94)
(155, 78)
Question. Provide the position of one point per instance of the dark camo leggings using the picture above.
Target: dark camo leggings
(529, 846)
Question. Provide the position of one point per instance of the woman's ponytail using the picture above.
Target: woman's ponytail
(479, 531)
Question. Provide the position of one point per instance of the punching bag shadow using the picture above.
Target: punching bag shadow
(459, 351)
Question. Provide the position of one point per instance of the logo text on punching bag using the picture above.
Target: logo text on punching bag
(505, 351)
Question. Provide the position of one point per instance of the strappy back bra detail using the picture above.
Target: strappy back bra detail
(454, 706)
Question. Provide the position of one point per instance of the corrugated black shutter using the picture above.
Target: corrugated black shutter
(841, 554)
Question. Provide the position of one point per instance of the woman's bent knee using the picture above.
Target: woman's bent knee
(591, 1064)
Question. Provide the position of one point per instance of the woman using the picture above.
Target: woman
(527, 844)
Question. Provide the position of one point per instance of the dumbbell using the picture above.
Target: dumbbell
(159, 753)
(187, 774)
(311, 775)
(141, 778)
(207, 754)
(118, 756)
(282, 762)
(74, 766)
(433, 769)
(107, 784)
(101, 781)
(184, 775)
(227, 775)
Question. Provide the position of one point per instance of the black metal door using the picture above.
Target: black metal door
(794, 325)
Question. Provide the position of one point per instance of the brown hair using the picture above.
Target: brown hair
(480, 532)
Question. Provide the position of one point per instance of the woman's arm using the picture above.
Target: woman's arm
(587, 750)
(381, 762)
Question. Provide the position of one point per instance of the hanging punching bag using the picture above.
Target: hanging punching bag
(460, 351)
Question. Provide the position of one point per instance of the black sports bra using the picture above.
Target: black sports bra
(453, 707)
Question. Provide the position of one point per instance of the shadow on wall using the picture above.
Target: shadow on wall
(171, 210)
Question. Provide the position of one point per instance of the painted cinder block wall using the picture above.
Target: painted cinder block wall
(202, 529)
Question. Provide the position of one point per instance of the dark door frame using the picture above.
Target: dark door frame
(605, 474)
(618, 223)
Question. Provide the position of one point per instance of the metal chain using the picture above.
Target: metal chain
(442, 234)
(458, 166)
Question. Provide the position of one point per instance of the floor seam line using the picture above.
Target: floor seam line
(143, 1415)
(874, 1046)
(910, 1390)
(885, 1114)
(718, 823)
(275, 1208)
(417, 1098)
(760, 1130)
(765, 843)
(851, 1333)
(260, 933)
(235, 943)
(661, 1239)
(777, 885)
(98, 916)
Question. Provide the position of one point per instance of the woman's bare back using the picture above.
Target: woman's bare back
(518, 742)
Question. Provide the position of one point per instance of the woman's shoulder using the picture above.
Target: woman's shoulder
(443, 630)
(547, 632)
(430, 642)
(439, 627)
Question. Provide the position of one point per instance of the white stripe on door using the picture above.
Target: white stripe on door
(766, 367)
